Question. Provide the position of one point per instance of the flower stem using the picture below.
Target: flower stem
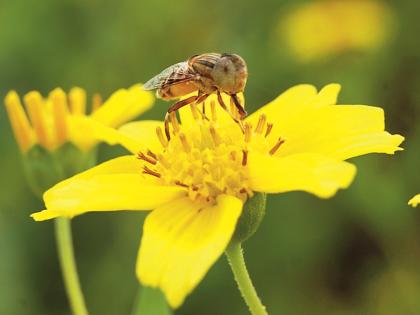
(150, 301)
(236, 260)
(68, 266)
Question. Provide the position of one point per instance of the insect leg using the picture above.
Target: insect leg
(220, 99)
(201, 99)
(175, 107)
(204, 108)
(239, 107)
(182, 103)
(223, 105)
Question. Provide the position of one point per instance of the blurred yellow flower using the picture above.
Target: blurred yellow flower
(198, 180)
(414, 201)
(324, 28)
(56, 119)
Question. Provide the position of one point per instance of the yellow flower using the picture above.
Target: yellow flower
(414, 201)
(58, 119)
(198, 181)
(328, 27)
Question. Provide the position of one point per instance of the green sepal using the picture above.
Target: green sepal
(44, 168)
(252, 215)
(73, 160)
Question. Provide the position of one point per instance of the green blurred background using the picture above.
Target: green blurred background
(358, 253)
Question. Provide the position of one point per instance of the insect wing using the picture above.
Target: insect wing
(174, 74)
(209, 60)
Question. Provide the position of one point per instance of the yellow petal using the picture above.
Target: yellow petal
(60, 114)
(307, 122)
(38, 115)
(86, 132)
(181, 241)
(327, 96)
(46, 215)
(313, 173)
(114, 185)
(287, 105)
(21, 127)
(124, 105)
(143, 133)
(414, 201)
(341, 131)
(77, 101)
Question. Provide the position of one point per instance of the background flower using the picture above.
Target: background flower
(55, 120)
(326, 28)
(415, 200)
(52, 134)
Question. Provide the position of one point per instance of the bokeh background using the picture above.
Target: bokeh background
(358, 253)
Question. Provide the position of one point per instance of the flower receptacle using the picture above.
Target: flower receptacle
(252, 215)
(44, 168)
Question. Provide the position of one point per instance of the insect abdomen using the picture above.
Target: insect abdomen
(176, 90)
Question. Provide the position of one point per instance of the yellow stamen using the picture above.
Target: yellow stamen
(207, 158)
(213, 111)
(180, 184)
(96, 102)
(204, 108)
(174, 122)
(162, 160)
(60, 112)
(150, 153)
(248, 132)
(244, 157)
(194, 111)
(145, 158)
(147, 170)
(261, 123)
(276, 146)
(77, 100)
(19, 121)
(233, 110)
(269, 128)
(161, 138)
(184, 142)
(34, 103)
(215, 136)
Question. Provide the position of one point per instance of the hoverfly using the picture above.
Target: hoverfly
(207, 74)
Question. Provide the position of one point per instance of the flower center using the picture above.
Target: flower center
(208, 157)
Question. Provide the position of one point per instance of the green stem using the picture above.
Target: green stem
(235, 256)
(68, 266)
(150, 301)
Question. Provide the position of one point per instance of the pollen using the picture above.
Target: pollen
(208, 157)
